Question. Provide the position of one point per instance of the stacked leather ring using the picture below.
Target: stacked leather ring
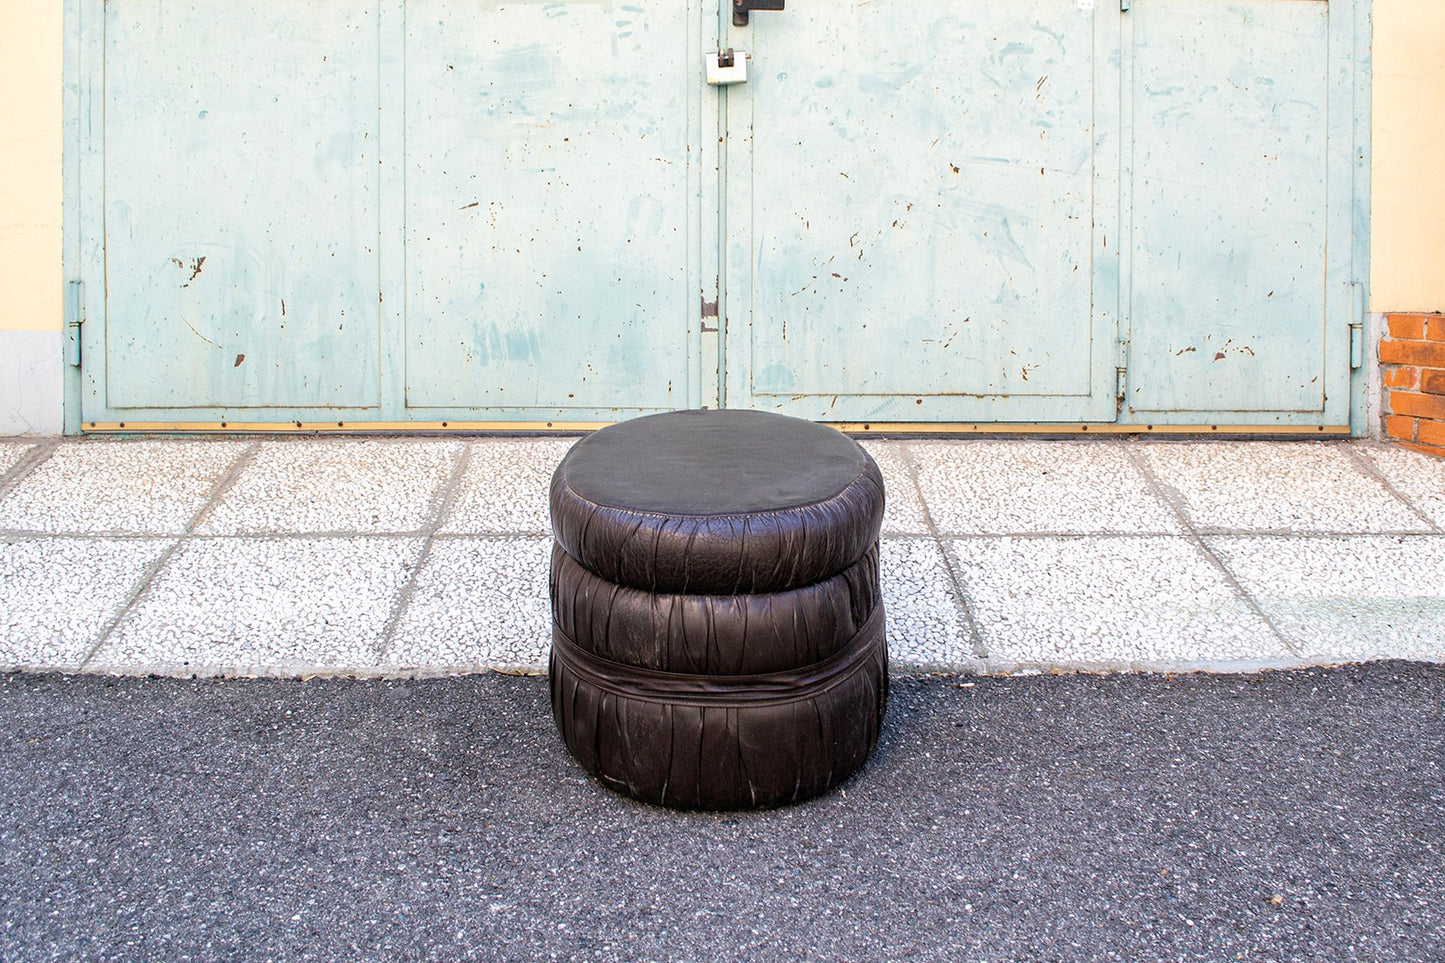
(718, 630)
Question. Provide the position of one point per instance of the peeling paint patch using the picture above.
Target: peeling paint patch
(194, 266)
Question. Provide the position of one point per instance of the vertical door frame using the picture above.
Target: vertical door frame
(83, 253)
(1361, 72)
(711, 173)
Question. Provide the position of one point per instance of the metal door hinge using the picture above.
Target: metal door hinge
(1121, 373)
(74, 319)
(1357, 327)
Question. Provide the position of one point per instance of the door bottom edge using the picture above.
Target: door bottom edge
(869, 428)
(1089, 428)
(341, 427)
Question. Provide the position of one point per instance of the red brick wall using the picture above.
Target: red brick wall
(1412, 360)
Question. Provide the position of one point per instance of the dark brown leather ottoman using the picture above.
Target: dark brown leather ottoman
(718, 637)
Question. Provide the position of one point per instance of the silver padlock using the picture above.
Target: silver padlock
(727, 67)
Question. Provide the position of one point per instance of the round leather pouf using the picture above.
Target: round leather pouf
(717, 502)
(712, 634)
(717, 624)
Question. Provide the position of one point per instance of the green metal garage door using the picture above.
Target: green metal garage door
(439, 212)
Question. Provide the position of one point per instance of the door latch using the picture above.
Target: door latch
(741, 8)
(727, 67)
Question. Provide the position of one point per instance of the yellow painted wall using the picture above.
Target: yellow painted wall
(31, 283)
(1407, 262)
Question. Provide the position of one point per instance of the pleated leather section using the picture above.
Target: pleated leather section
(723, 742)
(726, 554)
(712, 634)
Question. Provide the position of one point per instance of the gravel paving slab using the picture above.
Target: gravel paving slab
(263, 606)
(58, 595)
(1354, 598)
(10, 454)
(126, 488)
(478, 603)
(1108, 602)
(1279, 816)
(335, 485)
(1011, 487)
(926, 623)
(504, 489)
(903, 511)
(1265, 486)
(1416, 476)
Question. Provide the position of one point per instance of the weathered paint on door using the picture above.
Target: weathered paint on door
(241, 201)
(1041, 211)
(397, 212)
(552, 191)
(1241, 253)
(921, 202)
(932, 217)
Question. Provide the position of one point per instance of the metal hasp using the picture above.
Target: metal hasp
(741, 8)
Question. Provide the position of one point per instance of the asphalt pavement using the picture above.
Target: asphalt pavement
(1275, 816)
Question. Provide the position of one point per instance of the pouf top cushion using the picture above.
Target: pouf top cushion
(713, 463)
(717, 502)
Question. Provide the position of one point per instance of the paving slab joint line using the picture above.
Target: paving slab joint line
(39, 453)
(1175, 501)
(960, 598)
(1227, 666)
(441, 509)
(1371, 471)
(1047, 535)
(143, 584)
(520, 536)
(1314, 534)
